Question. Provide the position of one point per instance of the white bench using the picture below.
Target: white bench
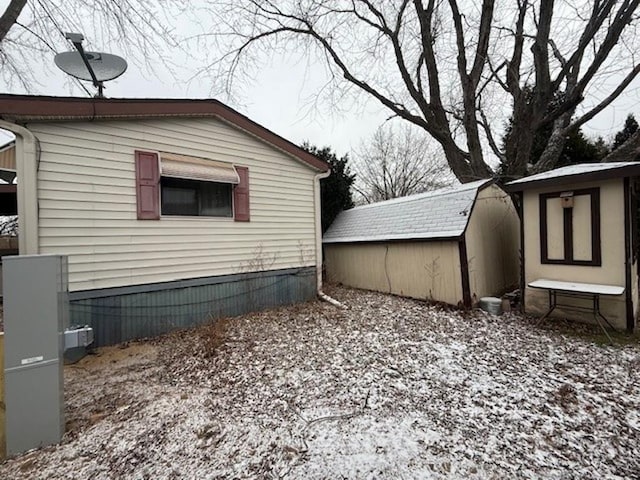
(591, 291)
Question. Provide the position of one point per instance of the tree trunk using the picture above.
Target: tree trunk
(10, 15)
(519, 141)
(553, 150)
(460, 165)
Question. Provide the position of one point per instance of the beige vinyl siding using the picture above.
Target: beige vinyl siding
(87, 204)
(426, 270)
(493, 239)
(610, 273)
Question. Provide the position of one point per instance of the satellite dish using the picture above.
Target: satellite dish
(105, 66)
(95, 67)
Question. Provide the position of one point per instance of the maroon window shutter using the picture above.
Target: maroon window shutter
(148, 185)
(241, 196)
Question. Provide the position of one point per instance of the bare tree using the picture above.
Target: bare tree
(32, 30)
(397, 162)
(455, 68)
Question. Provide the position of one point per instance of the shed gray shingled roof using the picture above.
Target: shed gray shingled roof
(581, 171)
(438, 214)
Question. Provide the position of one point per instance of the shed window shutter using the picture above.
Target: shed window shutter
(241, 196)
(148, 185)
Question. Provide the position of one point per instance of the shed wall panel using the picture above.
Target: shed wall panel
(612, 247)
(555, 229)
(425, 270)
(493, 242)
(582, 227)
(87, 200)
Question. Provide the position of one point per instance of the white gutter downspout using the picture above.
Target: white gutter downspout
(27, 188)
(318, 227)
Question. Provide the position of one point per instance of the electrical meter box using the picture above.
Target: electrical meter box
(36, 313)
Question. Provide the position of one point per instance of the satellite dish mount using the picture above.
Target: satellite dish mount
(95, 67)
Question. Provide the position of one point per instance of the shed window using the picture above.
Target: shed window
(570, 227)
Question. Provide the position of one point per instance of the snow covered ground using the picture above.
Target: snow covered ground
(390, 388)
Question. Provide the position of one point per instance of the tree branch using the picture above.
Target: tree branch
(607, 101)
(492, 142)
(10, 16)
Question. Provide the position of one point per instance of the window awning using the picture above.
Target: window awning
(195, 168)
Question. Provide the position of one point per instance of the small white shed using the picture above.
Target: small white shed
(452, 245)
(579, 225)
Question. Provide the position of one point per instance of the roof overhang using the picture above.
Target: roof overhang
(25, 109)
(631, 170)
(445, 237)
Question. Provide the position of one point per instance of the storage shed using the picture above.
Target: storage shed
(452, 245)
(579, 224)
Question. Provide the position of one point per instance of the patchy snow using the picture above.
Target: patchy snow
(9, 225)
(390, 388)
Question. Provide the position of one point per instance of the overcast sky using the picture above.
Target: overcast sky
(279, 99)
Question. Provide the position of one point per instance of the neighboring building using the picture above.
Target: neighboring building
(8, 162)
(592, 238)
(170, 211)
(452, 245)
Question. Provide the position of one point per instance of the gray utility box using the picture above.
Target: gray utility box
(36, 313)
(78, 336)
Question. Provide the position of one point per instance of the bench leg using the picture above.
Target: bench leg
(596, 314)
(552, 307)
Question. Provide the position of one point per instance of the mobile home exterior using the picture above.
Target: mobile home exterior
(170, 211)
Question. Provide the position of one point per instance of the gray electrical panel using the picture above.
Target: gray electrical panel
(36, 313)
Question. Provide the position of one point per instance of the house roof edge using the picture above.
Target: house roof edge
(32, 108)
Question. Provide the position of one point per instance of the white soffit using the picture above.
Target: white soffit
(195, 168)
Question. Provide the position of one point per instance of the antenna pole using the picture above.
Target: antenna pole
(76, 39)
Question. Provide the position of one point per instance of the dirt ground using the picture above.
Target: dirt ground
(389, 388)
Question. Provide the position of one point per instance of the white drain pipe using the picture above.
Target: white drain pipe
(331, 300)
(318, 228)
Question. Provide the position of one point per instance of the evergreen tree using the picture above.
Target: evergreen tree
(579, 149)
(630, 127)
(335, 190)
